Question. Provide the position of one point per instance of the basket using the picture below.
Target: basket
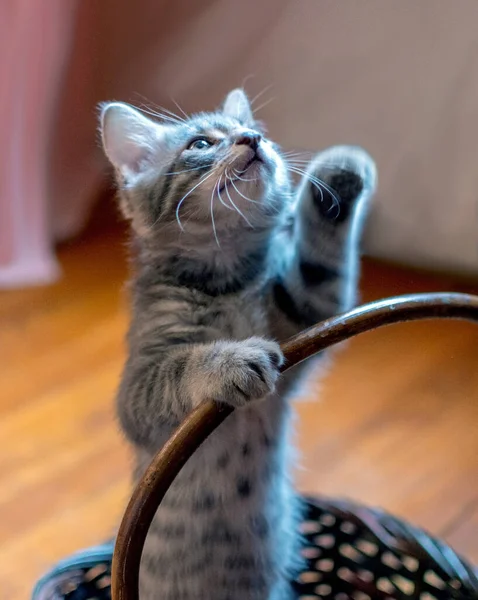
(351, 551)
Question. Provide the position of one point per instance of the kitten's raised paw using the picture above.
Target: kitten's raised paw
(347, 174)
(243, 371)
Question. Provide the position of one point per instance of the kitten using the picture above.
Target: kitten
(230, 258)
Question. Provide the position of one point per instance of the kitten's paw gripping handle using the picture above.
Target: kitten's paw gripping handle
(245, 371)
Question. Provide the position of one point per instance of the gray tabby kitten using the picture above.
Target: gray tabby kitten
(230, 259)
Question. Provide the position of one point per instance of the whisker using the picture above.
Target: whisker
(219, 193)
(186, 195)
(246, 79)
(212, 214)
(151, 106)
(236, 174)
(237, 209)
(296, 156)
(304, 153)
(306, 174)
(263, 105)
(261, 93)
(292, 158)
(171, 114)
(307, 162)
(180, 109)
(318, 183)
(189, 215)
(298, 159)
(167, 111)
(162, 116)
(240, 194)
(188, 170)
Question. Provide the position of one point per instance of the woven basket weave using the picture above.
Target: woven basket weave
(352, 551)
(360, 553)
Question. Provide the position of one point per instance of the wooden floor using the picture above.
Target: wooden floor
(396, 426)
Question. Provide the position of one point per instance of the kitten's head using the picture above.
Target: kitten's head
(213, 170)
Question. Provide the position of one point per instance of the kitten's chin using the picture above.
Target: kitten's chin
(251, 176)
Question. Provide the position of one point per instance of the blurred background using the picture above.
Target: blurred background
(397, 423)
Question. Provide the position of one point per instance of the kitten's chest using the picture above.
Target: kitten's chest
(234, 317)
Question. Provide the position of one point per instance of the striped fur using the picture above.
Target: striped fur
(223, 272)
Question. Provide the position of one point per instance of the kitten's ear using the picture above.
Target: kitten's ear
(237, 105)
(130, 140)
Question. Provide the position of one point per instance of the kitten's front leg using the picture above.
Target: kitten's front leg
(320, 275)
(232, 372)
(158, 392)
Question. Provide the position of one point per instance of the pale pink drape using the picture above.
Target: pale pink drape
(34, 42)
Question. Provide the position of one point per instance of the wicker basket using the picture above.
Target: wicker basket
(351, 551)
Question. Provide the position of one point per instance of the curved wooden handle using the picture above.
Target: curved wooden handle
(201, 422)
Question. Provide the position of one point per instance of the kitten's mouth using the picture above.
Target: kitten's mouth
(237, 175)
(249, 163)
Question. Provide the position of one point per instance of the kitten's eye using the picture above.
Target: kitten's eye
(199, 144)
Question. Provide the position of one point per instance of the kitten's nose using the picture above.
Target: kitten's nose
(248, 138)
